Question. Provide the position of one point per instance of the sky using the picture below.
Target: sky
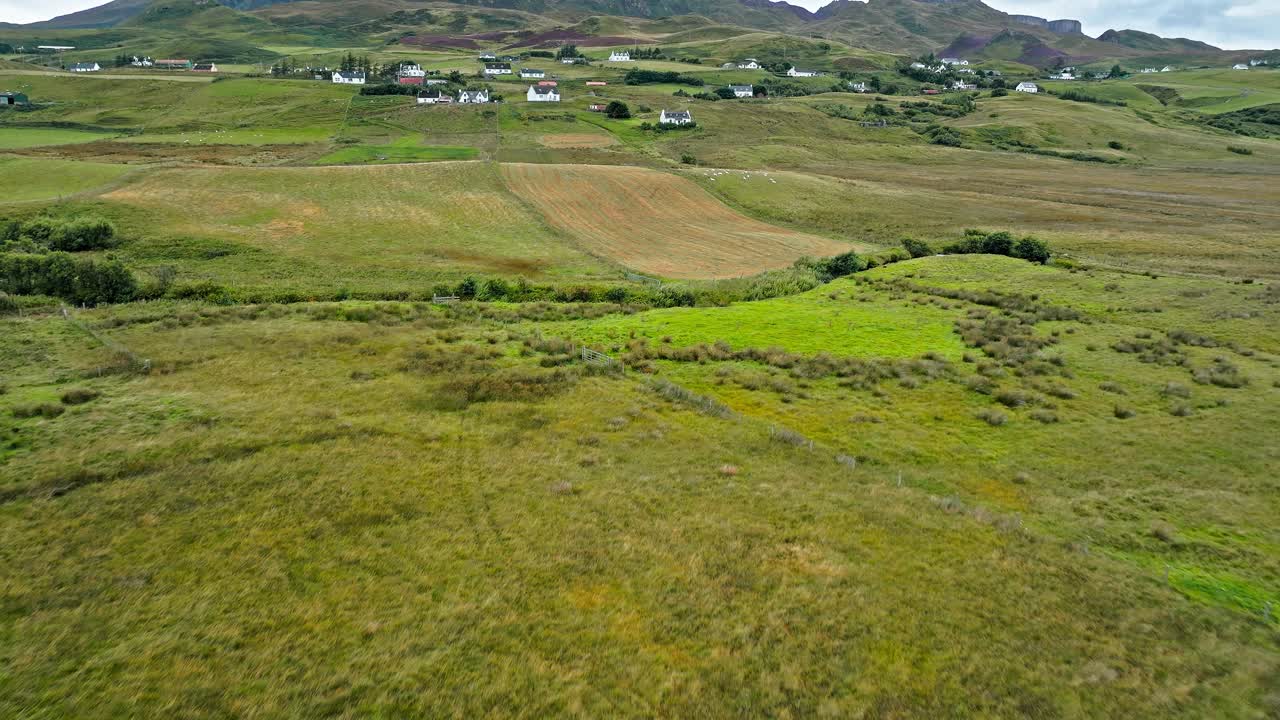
(1233, 24)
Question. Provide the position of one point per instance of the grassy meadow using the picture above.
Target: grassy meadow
(279, 482)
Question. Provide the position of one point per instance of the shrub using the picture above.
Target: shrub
(79, 396)
(1116, 145)
(1048, 417)
(916, 248)
(45, 410)
(994, 418)
(76, 280)
(1032, 250)
(1123, 412)
(1239, 150)
(617, 110)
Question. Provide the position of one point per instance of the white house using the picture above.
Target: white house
(749, 64)
(961, 85)
(411, 70)
(433, 97)
(1166, 68)
(1027, 87)
(84, 67)
(675, 117)
(486, 57)
(532, 73)
(917, 66)
(965, 71)
(543, 93)
(1256, 63)
(858, 87)
(1148, 71)
(473, 97)
(141, 62)
(954, 61)
(348, 78)
(204, 68)
(435, 81)
(497, 68)
(1239, 66)
(743, 91)
(793, 72)
(568, 61)
(1062, 76)
(620, 56)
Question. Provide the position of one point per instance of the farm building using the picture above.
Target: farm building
(743, 91)
(675, 117)
(433, 97)
(1147, 71)
(497, 68)
(1062, 76)
(1239, 66)
(543, 93)
(1166, 68)
(348, 78)
(532, 73)
(473, 97)
(435, 81)
(1256, 63)
(409, 80)
(858, 87)
(929, 91)
(597, 107)
(1028, 87)
(961, 85)
(173, 64)
(596, 83)
(619, 56)
(548, 83)
(204, 67)
(954, 61)
(141, 62)
(13, 99)
(84, 67)
(795, 72)
(749, 64)
(411, 70)
(487, 57)
(568, 61)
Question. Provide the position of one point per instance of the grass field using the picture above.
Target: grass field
(657, 223)
(374, 229)
(26, 179)
(397, 152)
(327, 491)
(13, 138)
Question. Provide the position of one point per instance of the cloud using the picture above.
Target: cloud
(23, 11)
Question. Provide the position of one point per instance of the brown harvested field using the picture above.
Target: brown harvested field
(658, 223)
(577, 140)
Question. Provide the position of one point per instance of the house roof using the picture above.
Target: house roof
(350, 75)
(678, 114)
(204, 66)
(497, 66)
(544, 90)
(84, 65)
(742, 87)
(174, 61)
(429, 94)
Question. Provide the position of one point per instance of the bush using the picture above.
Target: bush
(636, 76)
(76, 280)
(916, 248)
(1124, 412)
(688, 159)
(87, 233)
(1116, 145)
(994, 418)
(79, 396)
(999, 92)
(1239, 150)
(45, 410)
(617, 110)
(1032, 250)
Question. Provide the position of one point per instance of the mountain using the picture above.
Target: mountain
(1146, 42)
(109, 15)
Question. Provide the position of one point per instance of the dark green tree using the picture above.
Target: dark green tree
(617, 110)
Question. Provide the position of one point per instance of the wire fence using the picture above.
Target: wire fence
(131, 360)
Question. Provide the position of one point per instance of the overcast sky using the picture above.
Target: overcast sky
(1225, 23)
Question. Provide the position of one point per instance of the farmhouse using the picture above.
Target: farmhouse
(594, 83)
(1147, 71)
(954, 61)
(204, 67)
(1256, 63)
(509, 58)
(411, 70)
(793, 72)
(568, 61)
(858, 87)
(435, 81)
(532, 73)
(13, 99)
(548, 83)
(486, 57)
(84, 67)
(1166, 68)
(675, 117)
(409, 80)
(543, 93)
(473, 97)
(620, 56)
(743, 91)
(348, 78)
(1027, 87)
(433, 97)
(597, 107)
(1239, 66)
(961, 85)
(917, 66)
(141, 62)
(497, 68)
(174, 64)
(749, 64)
(1062, 76)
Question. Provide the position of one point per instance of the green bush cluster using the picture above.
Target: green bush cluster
(636, 76)
(76, 280)
(73, 235)
(1028, 248)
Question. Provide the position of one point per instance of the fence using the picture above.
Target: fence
(135, 362)
(636, 277)
(445, 299)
